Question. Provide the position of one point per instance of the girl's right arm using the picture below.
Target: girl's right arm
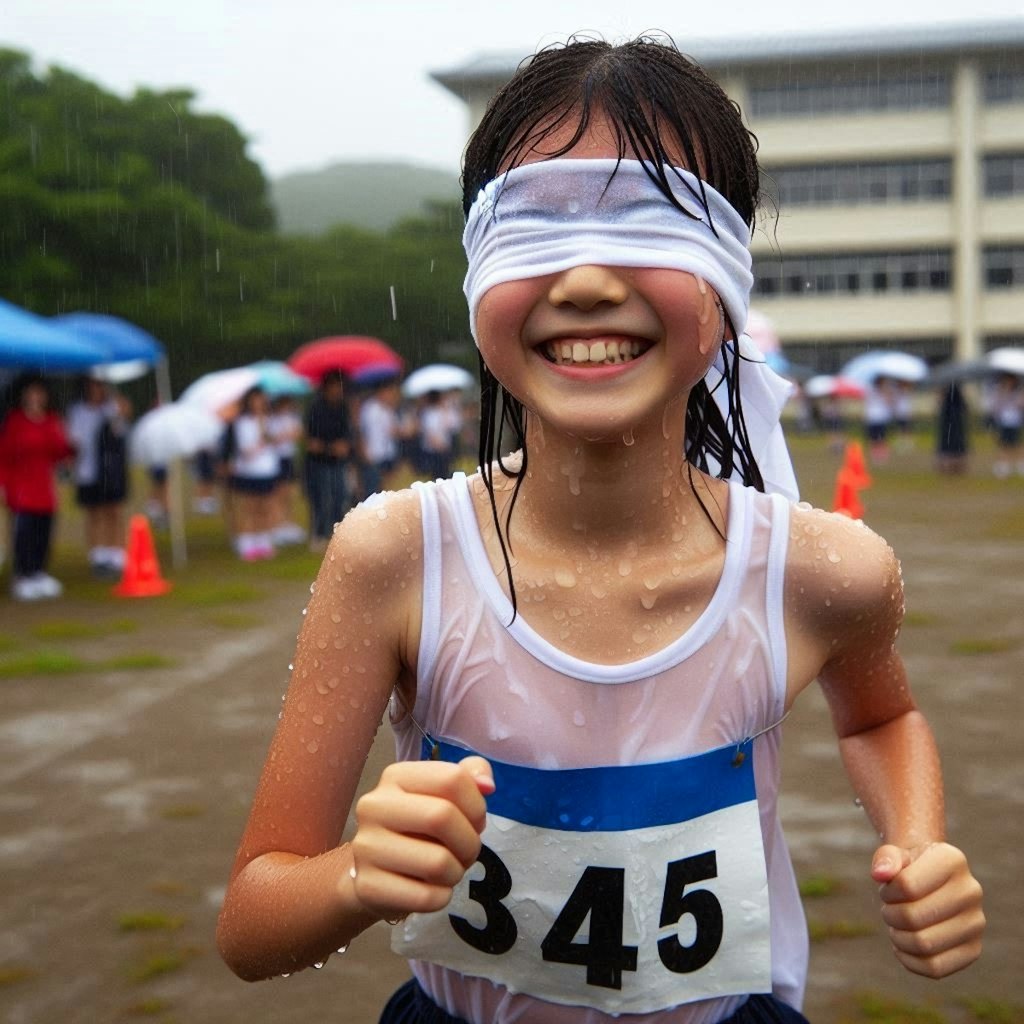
(295, 894)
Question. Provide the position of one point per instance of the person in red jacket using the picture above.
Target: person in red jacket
(32, 443)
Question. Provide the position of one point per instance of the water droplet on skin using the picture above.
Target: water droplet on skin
(834, 556)
(312, 746)
(625, 567)
(342, 949)
(290, 667)
(598, 591)
(639, 637)
(318, 965)
(649, 601)
(321, 688)
(318, 719)
(578, 718)
(335, 617)
(628, 439)
(565, 578)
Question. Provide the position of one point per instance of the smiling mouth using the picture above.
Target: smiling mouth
(593, 353)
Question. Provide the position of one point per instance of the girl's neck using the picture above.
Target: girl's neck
(614, 492)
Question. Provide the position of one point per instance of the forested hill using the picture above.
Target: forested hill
(149, 209)
(375, 196)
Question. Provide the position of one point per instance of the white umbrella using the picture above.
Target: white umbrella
(436, 377)
(1007, 360)
(217, 390)
(869, 366)
(118, 373)
(173, 431)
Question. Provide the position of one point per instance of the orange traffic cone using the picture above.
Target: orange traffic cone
(853, 460)
(846, 502)
(141, 569)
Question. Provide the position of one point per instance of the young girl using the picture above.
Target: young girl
(254, 473)
(588, 648)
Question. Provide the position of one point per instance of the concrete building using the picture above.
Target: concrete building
(896, 160)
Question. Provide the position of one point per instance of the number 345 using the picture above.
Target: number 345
(600, 892)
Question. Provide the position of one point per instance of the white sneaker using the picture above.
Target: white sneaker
(26, 588)
(47, 585)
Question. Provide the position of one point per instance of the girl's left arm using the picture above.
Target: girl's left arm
(930, 900)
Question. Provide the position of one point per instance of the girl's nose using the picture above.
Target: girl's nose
(587, 286)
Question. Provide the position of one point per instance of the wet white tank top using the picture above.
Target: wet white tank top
(506, 692)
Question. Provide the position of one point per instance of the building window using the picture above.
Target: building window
(854, 183)
(1004, 174)
(853, 273)
(1004, 266)
(1004, 85)
(826, 92)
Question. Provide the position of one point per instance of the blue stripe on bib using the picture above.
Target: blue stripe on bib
(616, 798)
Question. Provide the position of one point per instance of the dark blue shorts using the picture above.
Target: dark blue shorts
(411, 1005)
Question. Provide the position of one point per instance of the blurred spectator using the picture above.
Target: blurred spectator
(903, 412)
(879, 402)
(98, 428)
(254, 469)
(1008, 418)
(205, 473)
(435, 436)
(328, 448)
(32, 443)
(952, 424)
(379, 435)
(285, 428)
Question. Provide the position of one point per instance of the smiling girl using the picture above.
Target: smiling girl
(588, 647)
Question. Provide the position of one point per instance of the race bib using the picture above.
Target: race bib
(627, 889)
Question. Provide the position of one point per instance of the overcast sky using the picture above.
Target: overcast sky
(314, 81)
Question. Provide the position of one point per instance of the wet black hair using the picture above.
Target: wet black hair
(662, 105)
(246, 403)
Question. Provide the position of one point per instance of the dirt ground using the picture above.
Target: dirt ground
(123, 790)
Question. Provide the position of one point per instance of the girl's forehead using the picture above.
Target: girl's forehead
(603, 138)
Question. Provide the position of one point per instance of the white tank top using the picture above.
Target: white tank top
(504, 691)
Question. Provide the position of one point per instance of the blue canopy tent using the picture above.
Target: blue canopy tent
(128, 347)
(33, 342)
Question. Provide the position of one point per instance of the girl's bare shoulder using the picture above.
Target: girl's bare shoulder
(381, 535)
(839, 572)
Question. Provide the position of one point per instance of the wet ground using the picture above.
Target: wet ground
(123, 790)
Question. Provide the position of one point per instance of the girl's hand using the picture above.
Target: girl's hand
(419, 831)
(932, 905)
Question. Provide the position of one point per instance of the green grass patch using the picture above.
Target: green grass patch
(71, 629)
(982, 645)
(42, 663)
(816, 886)
(136, 660)
(160, 962)
(235, 620)
(823, 931)
(873, 1006)
(293, 568)
(13, 974)
(210, 593)
(992, 1011)
(7, 642)
(179, 812)
(147, 1007)
(60, 663)
(920, 619)
(149, 921)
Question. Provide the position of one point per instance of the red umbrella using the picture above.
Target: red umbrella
(348, 354)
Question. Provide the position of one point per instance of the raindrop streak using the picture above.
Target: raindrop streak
(394, 304)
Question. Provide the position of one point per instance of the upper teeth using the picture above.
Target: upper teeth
(592, 352)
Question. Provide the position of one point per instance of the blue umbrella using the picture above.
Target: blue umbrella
(32, 342)
(277, 378)
(124, 341)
